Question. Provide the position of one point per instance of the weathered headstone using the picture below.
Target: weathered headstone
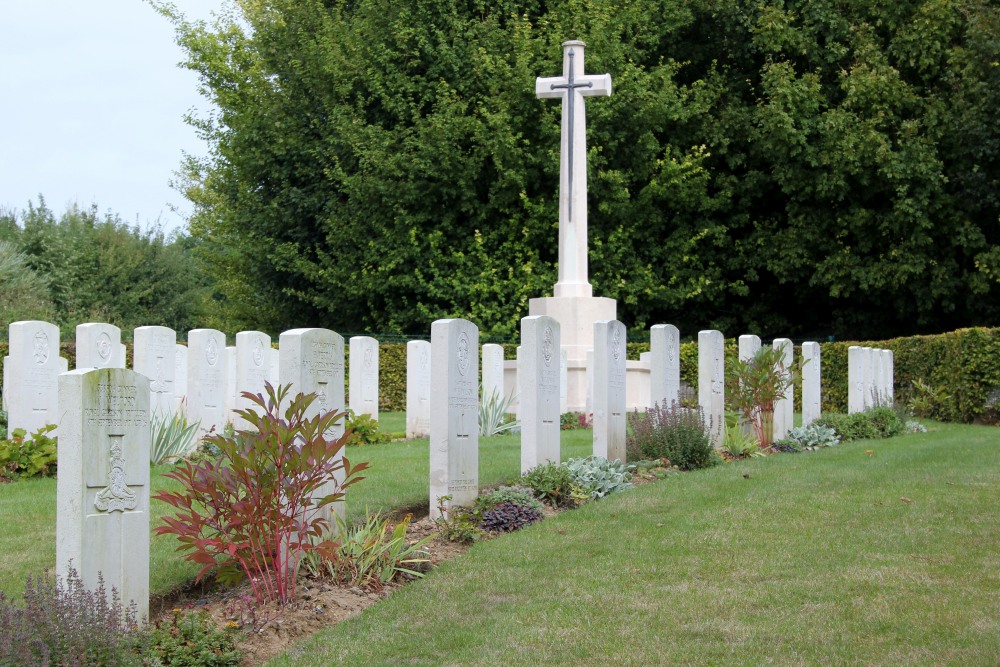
(454, 442)
(180, 377)
(102, 492)
(878, 378)
(711, 382)
(888, 361)
(312, 361)
(855, 379)
(868, 376)
(253, 363)
(539, 391)
(609, 390)
(30, 375)
(153, 352)
(418, 388)
(563, 380)
(664, 364)
(748, 347)
(231, 390)
(812, 376)
(207, 379)
(363, 379)
(784, 407)
(492, 373)
(98, 345)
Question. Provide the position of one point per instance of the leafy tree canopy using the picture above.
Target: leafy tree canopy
(796, 167)
(84, 267)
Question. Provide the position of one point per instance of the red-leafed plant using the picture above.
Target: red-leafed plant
(754, 386)
(256, 507)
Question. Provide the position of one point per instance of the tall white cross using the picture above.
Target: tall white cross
(572, 87)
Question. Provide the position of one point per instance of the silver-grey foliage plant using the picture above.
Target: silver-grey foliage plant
(812, 437)
(598, 476)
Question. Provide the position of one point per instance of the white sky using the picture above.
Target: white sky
(92, 105)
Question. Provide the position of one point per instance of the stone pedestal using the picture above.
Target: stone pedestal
(576, 317)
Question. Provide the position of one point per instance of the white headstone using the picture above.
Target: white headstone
(98, 345)
(563, 380)
(312, 361)
(253, 363)
(712, 382)
(609, 390)
(207, 379)
(30, 375)
(889, 378)
(878, 389)
(363, 378)
(153, 353)
(812, 377)
(102, 492)
(3, 390)
(539, 391)
(418, 388)
(273, 367)
(122, 356)
(454, 442)
(855, 379)
(784, 407)
(868, 376)
(231, 390)
(748, 347)
(180, 377)
(665, 364)
(492, 372)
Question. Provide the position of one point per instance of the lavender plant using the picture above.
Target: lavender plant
(671, 432)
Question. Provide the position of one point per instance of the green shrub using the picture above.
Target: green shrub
(599, 477)
(571, 421)
(171, 436)
(371, 553)
(252, 510)
(192, 640)
(872, 424)
(521, 495)
(22, 457)
(753, 387)
(62, 623)
(675, 433)
(813, 436)
(493, 417)
(740, 443)
(364, 430)
(554, 484)
(508, 516)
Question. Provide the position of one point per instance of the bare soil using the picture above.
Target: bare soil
(320, 603)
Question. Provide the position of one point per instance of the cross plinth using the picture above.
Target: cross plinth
(572, 87)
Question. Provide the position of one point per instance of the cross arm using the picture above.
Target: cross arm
(543, 87)
(601, 85)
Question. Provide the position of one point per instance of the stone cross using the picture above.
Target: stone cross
(572, 87)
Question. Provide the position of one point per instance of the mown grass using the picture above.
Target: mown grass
(836, 557)
(397, 479)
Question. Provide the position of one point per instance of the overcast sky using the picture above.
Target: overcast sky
(92, 105)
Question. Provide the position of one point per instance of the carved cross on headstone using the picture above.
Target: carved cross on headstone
(572, 87)
(462, 430)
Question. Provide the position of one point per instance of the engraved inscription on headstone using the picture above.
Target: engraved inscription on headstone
(539, 391)
(153, 355)
(363, 378)
(711, 389)
(664, 364)
(30, 372)
(609, 390)
(454, 437)
(418, 389)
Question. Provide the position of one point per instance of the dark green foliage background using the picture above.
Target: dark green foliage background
(798, 168)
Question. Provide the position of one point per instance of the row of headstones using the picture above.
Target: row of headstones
(103, 483)
(206, 376)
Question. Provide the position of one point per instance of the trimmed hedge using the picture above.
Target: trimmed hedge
(964, 365)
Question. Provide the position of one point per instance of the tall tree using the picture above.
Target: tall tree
(797, 167)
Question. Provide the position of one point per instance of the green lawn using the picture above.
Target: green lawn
(836, 557)
(397, 479)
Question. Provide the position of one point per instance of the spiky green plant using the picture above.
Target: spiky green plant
(493, 411)
(172, 436)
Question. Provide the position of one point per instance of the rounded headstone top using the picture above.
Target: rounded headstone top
(573, 42)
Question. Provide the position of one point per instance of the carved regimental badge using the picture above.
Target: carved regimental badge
(104, 347)
(116, 496)
(548, 347)
(463, 353)
(211, 352)
(258, 353)
(40, 347)
(616, 343)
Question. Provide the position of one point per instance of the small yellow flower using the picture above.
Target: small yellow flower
(232, 624)
(176, 610)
